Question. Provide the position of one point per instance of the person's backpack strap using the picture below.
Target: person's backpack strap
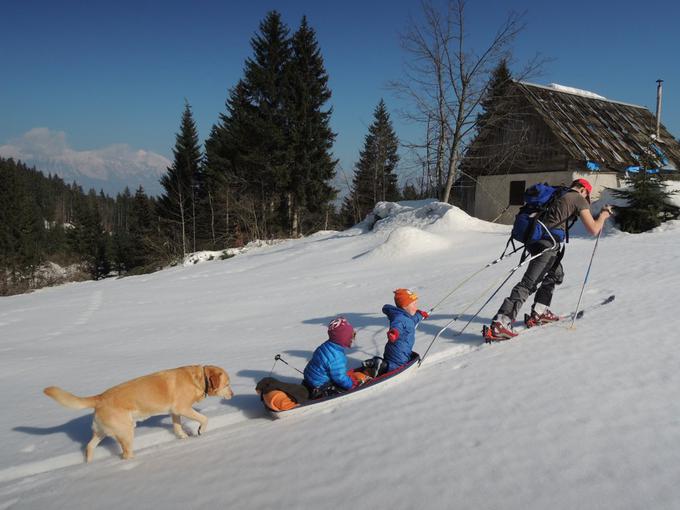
(569, 222)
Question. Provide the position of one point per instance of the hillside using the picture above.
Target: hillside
(562, 419)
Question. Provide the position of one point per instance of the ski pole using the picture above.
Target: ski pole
(512, 271)
(578, 305)
(503, 256)
(279, 358)
(456, 317)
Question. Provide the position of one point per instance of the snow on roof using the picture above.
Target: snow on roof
(573, 90)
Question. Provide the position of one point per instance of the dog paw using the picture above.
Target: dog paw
(181, 434)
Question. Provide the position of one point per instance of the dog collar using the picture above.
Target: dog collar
(206, 382)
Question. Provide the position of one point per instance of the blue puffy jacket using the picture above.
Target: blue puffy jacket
(398, 353)
(328, 364)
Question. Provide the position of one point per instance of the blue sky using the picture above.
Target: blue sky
(105, 73)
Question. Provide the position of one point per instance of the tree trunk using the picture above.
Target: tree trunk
(212, 219)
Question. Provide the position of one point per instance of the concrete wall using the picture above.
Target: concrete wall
(492, 193)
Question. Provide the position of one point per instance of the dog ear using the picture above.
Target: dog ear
(213, 376)
(213, 381)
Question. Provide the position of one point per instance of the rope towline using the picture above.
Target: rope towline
(523, 260)
(502, 257)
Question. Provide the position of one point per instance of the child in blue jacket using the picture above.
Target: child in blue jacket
(402, 333)
(328, 365)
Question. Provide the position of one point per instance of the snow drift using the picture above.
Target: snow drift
(567, 419)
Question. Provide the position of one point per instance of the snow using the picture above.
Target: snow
(208, 255)
(578, 92)
(583, 418)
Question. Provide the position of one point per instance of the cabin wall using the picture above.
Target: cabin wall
(493, 192)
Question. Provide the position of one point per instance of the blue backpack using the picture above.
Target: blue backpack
(538, 199)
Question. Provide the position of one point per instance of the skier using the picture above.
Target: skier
(326, 373)
(545, 271)
(402, 333)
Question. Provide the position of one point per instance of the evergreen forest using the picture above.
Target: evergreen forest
(264, 172)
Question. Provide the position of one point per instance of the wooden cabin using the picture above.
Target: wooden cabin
(556, 134)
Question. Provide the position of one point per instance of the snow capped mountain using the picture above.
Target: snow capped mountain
(110, 168)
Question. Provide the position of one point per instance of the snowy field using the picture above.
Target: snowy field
(557, 419)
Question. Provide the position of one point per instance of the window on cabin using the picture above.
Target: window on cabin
(517, 192)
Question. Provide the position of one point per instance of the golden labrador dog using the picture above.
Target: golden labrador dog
(171, 392)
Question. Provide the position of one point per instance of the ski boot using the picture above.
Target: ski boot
(539, 319)
(498, 331)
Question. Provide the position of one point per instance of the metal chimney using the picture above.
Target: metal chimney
(659, 90)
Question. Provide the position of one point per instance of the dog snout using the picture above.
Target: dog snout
(227, 393)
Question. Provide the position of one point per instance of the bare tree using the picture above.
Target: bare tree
(445, 80)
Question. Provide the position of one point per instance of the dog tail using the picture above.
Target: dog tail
(68, 399)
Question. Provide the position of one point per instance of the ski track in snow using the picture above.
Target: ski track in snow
(142, 442)
(95, 304)
(222, 423)
(219, 423)
(557, 420)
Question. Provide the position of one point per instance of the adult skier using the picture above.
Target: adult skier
(545, 271)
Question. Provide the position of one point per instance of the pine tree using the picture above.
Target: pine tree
(177, 205)
(375, 179)
(22, 231)
(646, 197)
(310, 136)
(87, 237)
(494, 95)
(246, 170)
(121, 243)
(409, 192)
(232, 190)
(142, 231)
(266, 82)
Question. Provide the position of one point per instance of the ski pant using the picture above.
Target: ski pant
(545, 270)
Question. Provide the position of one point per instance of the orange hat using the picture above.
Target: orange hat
(404, 297)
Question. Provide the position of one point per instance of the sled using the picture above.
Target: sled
(382, 381)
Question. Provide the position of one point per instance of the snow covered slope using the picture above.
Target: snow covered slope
(562, 419)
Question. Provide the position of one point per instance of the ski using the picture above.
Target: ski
(523, 328)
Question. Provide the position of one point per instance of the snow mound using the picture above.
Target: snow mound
(456, 220)
(667, 226)
(430, 215)
(409, 241)
(422, 226)
(207, 255)
(673, 187)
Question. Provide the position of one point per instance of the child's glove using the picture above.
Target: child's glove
(356, 380)
(423, 313)
(393, 335)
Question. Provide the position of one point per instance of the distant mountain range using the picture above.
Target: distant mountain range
(110, 169)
